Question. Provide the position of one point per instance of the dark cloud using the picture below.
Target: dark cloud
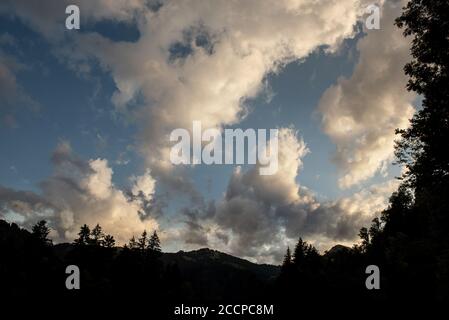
(64, 157)
(195, 232)
(28, 205)
(261, 225)
(152, 207)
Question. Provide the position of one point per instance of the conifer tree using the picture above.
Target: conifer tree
(109, 241)
(154, 244)
(300, 252)
(287, 260)
(142, 242)
(40, 231)
(83, 235)
(97, 235)
(133, 243)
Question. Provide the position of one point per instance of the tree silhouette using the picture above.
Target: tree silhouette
(364, 236)
(154, 244)
(97, 236)
(142, 242)
(305, 257)
(109, 241)
(40, 230)
(286, 264)
(83, 236)
(423, 145)
(300, 252)
(287, 259)
(133, 243)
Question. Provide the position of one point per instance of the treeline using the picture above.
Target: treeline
(337, 276)
(30, 264)
(107, 268)
(409, 242)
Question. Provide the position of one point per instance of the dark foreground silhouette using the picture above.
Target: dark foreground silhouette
(30, 265)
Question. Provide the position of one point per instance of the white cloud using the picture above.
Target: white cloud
(360, 113)
(48, 16)
(200, 62)
(99, 182)
(144, 184)
(81, 192)
(260, 215)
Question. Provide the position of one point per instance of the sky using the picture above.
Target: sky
(85, 118)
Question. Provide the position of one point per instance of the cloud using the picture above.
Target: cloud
(361, 113)
(194, 232)
(23, 206)
(48, 16)
(341, 219)
(260, 215)
(248, 207)
(144, 184)
(81, 192)
(201, 62)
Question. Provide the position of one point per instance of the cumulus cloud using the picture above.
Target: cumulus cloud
(338, 220)
(81, 192)
(361, 113)
(144, 184)
(48, 16)
(324, 224)
(195, 61)
(260, 215)
(248, 208)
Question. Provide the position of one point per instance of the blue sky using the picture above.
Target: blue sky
(66, 98)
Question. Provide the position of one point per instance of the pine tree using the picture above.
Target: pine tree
(40, 231)
(154, 244)
(83, 236)
(133, 243)
(142, 242)
(306, 258)
(287, 260)
(97, 235)
(109, 241)
(286, 267)
(300, 252)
